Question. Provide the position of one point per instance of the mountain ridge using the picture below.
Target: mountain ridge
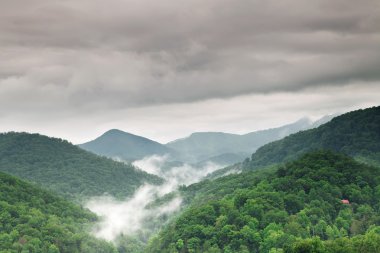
(296, 207)
(200, 146)
(122, 145)
(67, 169)
(356, 133)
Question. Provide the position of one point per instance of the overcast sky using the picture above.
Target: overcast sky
(163, 69)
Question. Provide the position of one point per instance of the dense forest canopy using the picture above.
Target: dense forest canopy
(200, 126)
(33, 220)
(297, 208)
(355, 133)
(316, 191)
(60, 166)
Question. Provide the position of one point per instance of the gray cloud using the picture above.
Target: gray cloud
(73, 58)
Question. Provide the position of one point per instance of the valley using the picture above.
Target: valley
(189, 126)
(286, 197)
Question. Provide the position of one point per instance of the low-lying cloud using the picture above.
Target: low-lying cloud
(134, 214)
(128, 217)
(184, 174)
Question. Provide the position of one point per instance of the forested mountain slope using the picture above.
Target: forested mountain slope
(296, 208)
(35, 221)
(58, 165)
(356, 134)
(118, 144)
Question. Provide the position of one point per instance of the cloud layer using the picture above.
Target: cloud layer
(73, 59)
(127, 52)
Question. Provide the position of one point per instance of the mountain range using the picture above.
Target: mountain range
(315, 190)
(356, 134)
(121, 145)
(67, 169)
(198, 148)
(321, 202)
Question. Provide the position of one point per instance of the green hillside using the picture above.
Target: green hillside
(295, 208)
(356, 134)
(60, 166)
(118, 144)
(35, 221)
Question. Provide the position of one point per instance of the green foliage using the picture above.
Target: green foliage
(296, 208)
(367, 243)
(35, 221)
(67, 169)
(129, 244)
(355, 133)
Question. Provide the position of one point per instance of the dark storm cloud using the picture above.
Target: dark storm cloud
(93, 54)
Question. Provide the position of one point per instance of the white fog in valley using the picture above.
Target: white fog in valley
(130, 216)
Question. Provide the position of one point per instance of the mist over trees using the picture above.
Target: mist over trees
(189, 126)
(34, 220)
(297, 208)
(313, 191)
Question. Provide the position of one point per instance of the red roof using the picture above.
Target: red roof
(345, 201)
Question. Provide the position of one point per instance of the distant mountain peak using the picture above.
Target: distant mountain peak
(65, 168)
(115, 131)
(197, 134)
(116, 143)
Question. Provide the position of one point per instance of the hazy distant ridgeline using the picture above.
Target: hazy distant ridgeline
(356, 134)
(280, 207)
(198, 148)
(204, 145)
(60, 166)
(125, 146)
